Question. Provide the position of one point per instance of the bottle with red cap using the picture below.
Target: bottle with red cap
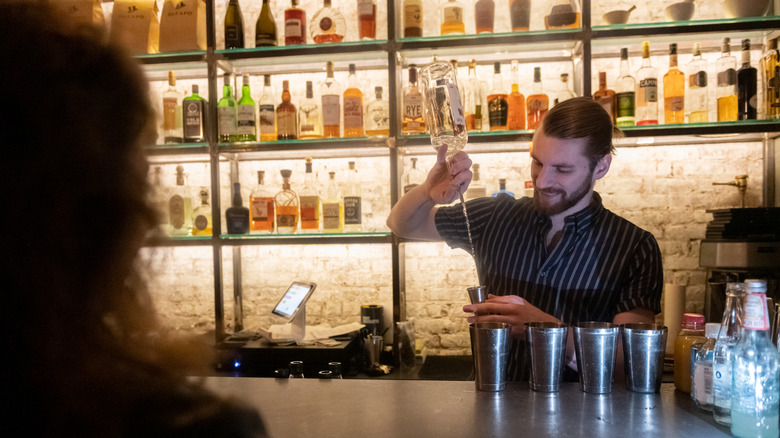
(691, 332)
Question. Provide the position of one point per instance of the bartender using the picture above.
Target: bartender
(560, 256)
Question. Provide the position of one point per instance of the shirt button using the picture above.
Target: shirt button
(543, 273)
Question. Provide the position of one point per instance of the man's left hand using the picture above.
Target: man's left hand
(510, 309)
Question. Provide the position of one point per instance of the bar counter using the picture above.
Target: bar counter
(415, 408)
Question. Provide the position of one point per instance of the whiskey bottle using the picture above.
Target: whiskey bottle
(310, 201)
(484, 14)
(261, 205)
(515, 101)
(194, 117)
(451, 16)
(286, 202)
(309, 116)
(747, 98)
(234, 26)
(353, 214)
(294, 25)
(201, 216)
(237, 216)
(474, 97)
(413, 122)
(327, 25)
(606, 97)
(226, 112)
(476, 188)
(520, 14)
(770, 66)
(180, 207)
(538, 102)
(330, 90)
(247, 130)
(412, 177)
(625, 89)
(353, 106)
(378, 116)
(647, 90)
(366, 11)
(413, 18)
(172, 119)
(267, 111)
(332, 207)
(286, 116)
(498, 107)
(265, 28)
(674, 90)
(726, 70)
(565, 93)
(696, 101)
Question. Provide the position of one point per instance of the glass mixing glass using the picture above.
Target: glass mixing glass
(444, 114)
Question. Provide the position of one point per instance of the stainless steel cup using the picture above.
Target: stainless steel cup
(490, 342)
(594, 345)
(644, 347)
(547, 343)
(477, 294)
(374, 344)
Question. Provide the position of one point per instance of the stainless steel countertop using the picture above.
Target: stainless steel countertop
(415, 408)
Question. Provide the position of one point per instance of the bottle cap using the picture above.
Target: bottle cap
(692, 318)
(496, 67)
(624, 53)
(755, 286)
(711, 330)
(673, 48)
(286, 173)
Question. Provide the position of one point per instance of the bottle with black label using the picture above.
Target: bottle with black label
(747, 86)
(353, 215)
(237, 216)
(194, 117)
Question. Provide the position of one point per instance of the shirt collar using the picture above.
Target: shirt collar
(581, 220)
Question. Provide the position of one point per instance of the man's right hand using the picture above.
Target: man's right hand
(445, 181)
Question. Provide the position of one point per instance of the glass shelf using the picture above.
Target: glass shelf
(759, 25)
(319, 148)
(306, 238)
(178, 149)
(295, 59)
(165, 241)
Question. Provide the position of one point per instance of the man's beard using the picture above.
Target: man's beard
(566, 202)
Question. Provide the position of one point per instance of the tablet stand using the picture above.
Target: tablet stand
(298, 325)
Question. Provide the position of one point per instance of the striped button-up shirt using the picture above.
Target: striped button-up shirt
(601, 266)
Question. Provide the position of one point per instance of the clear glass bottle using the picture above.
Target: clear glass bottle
(353, 106)
(294, 24)
(701, 384)
(267, 111)
(226, 113)
(565, 93)
(726, 93)
(310, 117)
(378, 116)
(691, 332)
(261, 204)
(520, 14)
(451, 18)
(747, 91)
(696, 102)
(412, 122)
(265, 28)
(335, 370)
(674, 90)
(172, 120)
(476, 188)
(755, 398)
(309, 201)
(516, 101)
(158, 198)
(237, 216)
(498, 107)
(538, 103)
(330, 90)
(201, 216)
(353, 210)
(604, 96)
(412, 177)
(332, 207)
(247, 131)
(723, 353)
(286, 116)
(502, 188)
(194, 117)
(484, 14)
(646, 110)
(234, 26)
(286, 203)
(444, 115)
(625, 90)
(770, 70)
(327, 25)
(564, 14)
(366, 12)
(474, 98)
(180, 206)
(413, 18)
(296, 369)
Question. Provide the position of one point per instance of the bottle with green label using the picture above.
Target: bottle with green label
(226, 113)
(625, 95)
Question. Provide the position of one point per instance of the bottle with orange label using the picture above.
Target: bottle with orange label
(691, 332)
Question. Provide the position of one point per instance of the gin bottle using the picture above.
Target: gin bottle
(378, 116)
(723, 353)
(626, 93)
(332, 207)
(647, 90)
(226, 112)
(172, 128)
(310, 201)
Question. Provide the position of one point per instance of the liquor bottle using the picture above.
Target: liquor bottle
(515, 101)
(461, 90)
(246, 113)
(498, 107)
(474, 97)
(770, 64)
(605, 97)
(519, 14)
(476, 188)
(563, 14)
(723, 353)
(261, 205)
(194, 117)
(286, 116)
(286, 203)
(537, 103)
(625, 90)
(756, 389)
(234, 26)
(565, 93)
(267, 111)
(366, 11)
(296, 370)
(484, 13)
(412, 122)
(310, 201)
(353, 106)
(378, 116)
(413, 18)
(353, 213)
(701, 383)
(294, 24)
(647, 90)
(180, 207)
(674, 90)
(691, 332)
(226, 113)
(158, 198)
(747, 98)
(265, 29)
(172, 121)
(330, 90)
(332, 207)
(237, 216)
(451, 16)
(327, 25)
(696, 101)
(726, 69)
(502, 188)
(309, 116)
(201, 216)
(412, 177)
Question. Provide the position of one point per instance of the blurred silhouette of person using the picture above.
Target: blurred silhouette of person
(84, 353)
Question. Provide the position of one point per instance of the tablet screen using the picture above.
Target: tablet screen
(296, 295)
